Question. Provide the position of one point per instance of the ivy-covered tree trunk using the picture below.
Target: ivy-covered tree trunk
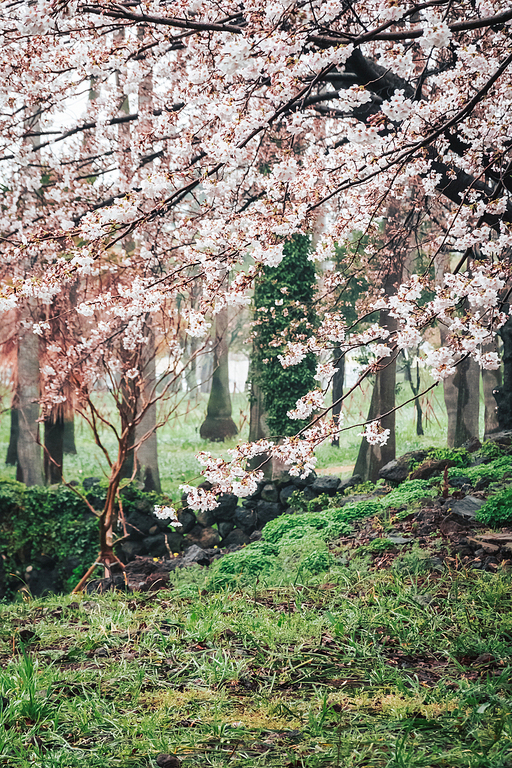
(148, 471)
(504, 393)
(219, 425)
(284, 310)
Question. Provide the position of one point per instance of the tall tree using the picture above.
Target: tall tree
(218, 424)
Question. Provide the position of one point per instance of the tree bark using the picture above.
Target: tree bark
(54, 449)
(337, 390)
(491, 381)
(218, 424)
(503, 394)
(11, 458)
(29, 468)
(69, 435)
(147, 454)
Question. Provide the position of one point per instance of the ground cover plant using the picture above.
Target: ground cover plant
(349, 667)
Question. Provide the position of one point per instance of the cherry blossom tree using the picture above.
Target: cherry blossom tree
(267, 120)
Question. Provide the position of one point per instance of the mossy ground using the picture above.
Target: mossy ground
(396, 668)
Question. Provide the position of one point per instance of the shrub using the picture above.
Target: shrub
(407, 493)
(497, 510)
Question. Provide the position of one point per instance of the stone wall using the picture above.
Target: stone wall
(231, 524)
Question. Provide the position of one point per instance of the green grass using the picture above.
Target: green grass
(395, 669)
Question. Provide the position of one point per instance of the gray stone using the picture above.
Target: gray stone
(155, 545)
(399, 539)
(326, 484)
(286, 493)
(195, 554)
(246, 519)
(267, 511)
(138, 525)
(203, 537)
(225, 527)
(269, 492)
(206, 518)
(466, 507)
(187, 519)
(236, 539)
(226, 507)
(346, 484)
(459, 481)
(256, 495)
(302, 482)
(397, 470)
(309, 493)
(502, 438)
(130, 549)
(89, 482)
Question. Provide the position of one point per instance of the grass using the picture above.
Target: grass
(393, 669)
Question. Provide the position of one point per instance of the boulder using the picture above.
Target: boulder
(236, 538)
(206, 518)
(266, 510)
(138, 525)
(203, 537)
(350, 483)
(246, 519)
(89, 482)
(396, 471)
(466, 507)
(269, 493)
(226, 507)
(325, 484)
(472, 445)
(155, 545)
(285, 494)
(428, 469)
(459, 481)
(187, 519)
(131, 549)
(503, 438)
(259, 486)
(225, 527)
(303, 482)
(195, 554)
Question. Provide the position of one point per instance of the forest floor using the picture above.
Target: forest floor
(399, 655)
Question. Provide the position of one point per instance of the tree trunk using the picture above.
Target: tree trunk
(337, 390)
(503, 394)
(69, 435)
(372, 458)
(491, 381)
(218, 424)
(54, 449)
(467, 382)
(12, 451)
(147, 453)
(29, 468)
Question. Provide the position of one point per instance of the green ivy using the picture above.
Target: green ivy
(284, 310)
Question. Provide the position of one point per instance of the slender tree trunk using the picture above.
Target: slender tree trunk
(147, 453)
(337, 390)
(467, 381)
(69, 435)
(491, 381)
(30, 467)
(504, 393)
(12, 451)
(218, 424)
(54, 449)
(415, 388)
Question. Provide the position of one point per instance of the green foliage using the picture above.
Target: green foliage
(460, 456)
(492, 450)
(376, 547)
(494, 470)
(497, 510)
(366, 487)
(44, 525)
(283, 302)
(407, 493)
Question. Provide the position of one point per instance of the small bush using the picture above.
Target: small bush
(407, 493)
(497, 510)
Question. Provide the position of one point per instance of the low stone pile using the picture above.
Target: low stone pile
(230, 525)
